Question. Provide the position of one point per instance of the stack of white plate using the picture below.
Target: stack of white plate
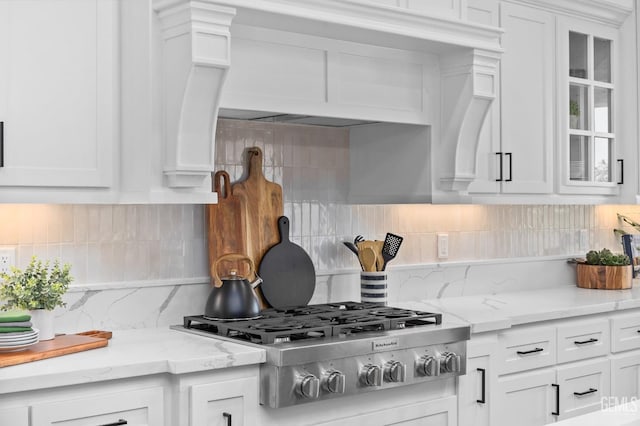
(11, 342)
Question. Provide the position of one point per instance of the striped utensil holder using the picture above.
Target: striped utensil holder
(373, 287)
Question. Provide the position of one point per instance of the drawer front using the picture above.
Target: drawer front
(625, 333)
(526, 348)
(582, 387)
(137, 407)
(578, 341)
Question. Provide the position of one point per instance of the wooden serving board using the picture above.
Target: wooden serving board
(61, 345)
(227, 229)
(262, 204)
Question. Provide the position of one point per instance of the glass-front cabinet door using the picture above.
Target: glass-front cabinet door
(586, 94)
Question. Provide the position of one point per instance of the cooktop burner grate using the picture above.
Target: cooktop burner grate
(314, 321)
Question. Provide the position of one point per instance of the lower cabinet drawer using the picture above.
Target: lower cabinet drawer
(582, 340)
(526, 348)
(142, 407)
(625, 333)
(14, 416)
(582, 387)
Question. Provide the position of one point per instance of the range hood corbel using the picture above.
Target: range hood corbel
(195, 42)
(469, 80)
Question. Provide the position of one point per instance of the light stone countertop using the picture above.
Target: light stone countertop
(499, 311)
(131, 353)
(143, 352)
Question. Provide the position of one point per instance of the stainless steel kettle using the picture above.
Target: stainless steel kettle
(234, 298)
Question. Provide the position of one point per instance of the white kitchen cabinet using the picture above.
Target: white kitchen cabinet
(14, 416)
(224, 403)
(58, 96)
(439, 412)
(138, 407)
(475, 397)
(526, 399)
(517, 156)
(582, 387)
(582, 340)
(625, 377)
(588, 100)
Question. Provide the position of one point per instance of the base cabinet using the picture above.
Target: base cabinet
(224, 403)
(142, 407)
(526, 399)
(625, 377)
(14, 416)
(475, 388)
(440, 412)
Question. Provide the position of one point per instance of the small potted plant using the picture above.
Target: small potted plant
(574, 114)
(39, 289)
(605, 270)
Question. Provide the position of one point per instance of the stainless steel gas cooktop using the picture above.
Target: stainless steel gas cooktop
(332, 350)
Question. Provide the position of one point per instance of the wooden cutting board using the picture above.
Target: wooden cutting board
(262, 204)
(227, 229)
(60, 345)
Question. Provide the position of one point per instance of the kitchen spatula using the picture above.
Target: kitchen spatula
(390, 248)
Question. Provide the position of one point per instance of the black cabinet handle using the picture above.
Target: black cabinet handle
(591, 390)
(119, 422)
(482, 399)
(499, 154)
(1, 143)
(584, 342)
(557, 412)
(532, 351)
(510, 167)
(227, 416)
(621, 161)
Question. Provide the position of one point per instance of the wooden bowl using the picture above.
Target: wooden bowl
(604, 277)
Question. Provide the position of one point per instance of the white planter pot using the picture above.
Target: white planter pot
(43, 321)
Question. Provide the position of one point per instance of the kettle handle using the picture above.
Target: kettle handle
(231, 256)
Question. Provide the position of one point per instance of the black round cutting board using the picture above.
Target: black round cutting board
(287, 272)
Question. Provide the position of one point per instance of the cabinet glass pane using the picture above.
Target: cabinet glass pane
(578, 106)
(602, 110)
(602, 154)
(579, 157)
(602, 59)
(578, 55)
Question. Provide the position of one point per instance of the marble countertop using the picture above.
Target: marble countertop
(499, 311)
(131, 353)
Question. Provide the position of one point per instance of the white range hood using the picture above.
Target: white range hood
(353, 60)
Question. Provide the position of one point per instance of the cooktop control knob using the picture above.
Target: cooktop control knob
(428, 365)
(449, 362)
(394, 371)
(308, 386)
(334, 382)
(370, 375)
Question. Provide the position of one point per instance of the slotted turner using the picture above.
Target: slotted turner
(390, 248)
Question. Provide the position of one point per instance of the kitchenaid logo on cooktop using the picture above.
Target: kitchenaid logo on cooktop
(385, 344)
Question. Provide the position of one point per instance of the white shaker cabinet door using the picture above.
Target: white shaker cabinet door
(474, 392)
(526, 399)
(14, 416)
(57, 92)
(232, 402)
(527, 76)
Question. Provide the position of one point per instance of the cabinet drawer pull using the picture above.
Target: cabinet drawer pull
(584, 342)
(482, 399)
(557, 412)
(532, 351)
(591, 390)
(119, 422)
(499, 154)
(1, 143)
(510, 167)
(227, 416)
(621, 181)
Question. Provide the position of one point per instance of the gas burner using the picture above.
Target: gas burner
(289, 324)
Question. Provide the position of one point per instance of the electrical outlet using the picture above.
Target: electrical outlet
(443, 246)
(7, 258)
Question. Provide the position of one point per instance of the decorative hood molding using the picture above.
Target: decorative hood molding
(196, 40)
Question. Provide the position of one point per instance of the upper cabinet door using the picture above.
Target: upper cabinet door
(588, 89)
(57, 92)
(527, 79)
